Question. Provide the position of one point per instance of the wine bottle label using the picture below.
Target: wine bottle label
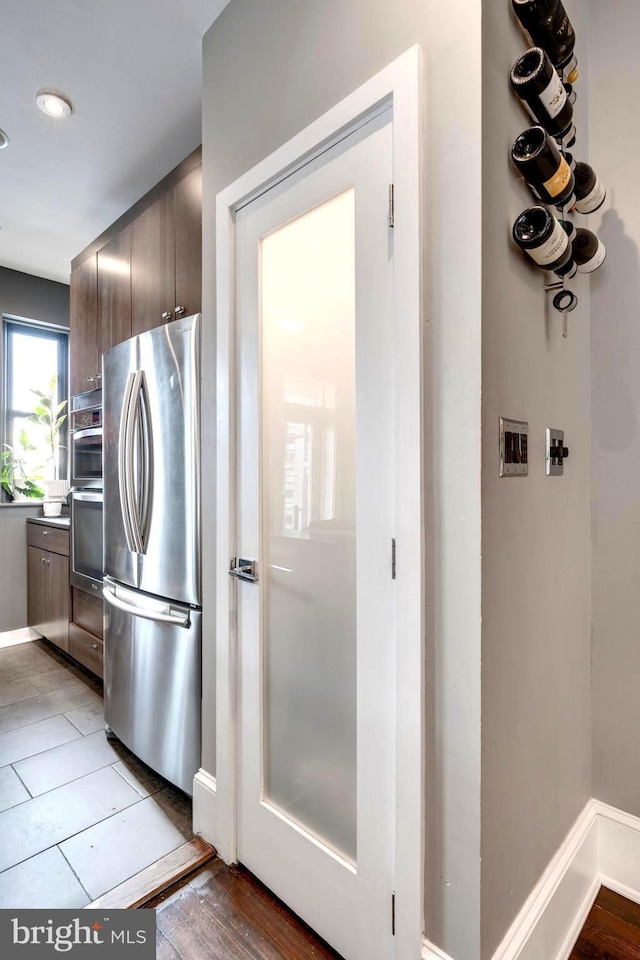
(596, 260)
(554, 96)
(552, 249)
(560, 180)
(593, 200)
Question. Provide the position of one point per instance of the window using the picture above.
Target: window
(33, 354)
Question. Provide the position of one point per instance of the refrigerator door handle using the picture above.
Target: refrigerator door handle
(145, 463)
(178, 620)
(124, 472)
(131, 425)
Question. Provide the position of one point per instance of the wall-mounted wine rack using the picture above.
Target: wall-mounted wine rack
(542, 78)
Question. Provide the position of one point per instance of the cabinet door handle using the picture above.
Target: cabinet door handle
(43, 559)
(91, 379)
(166, 315)
(179, 311)
(98, 376)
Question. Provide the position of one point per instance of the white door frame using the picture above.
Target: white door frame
(397, 86)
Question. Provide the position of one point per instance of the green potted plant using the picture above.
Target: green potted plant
(17, 483)
(50, 415)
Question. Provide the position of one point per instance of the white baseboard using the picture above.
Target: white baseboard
(602, 848)
(431, 952)
(619, 849)
(10, 638)
(204, 806)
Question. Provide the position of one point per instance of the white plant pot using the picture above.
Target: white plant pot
(55, 489)
(52, 508)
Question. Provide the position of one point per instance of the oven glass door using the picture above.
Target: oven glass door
(87, 454)
(86, 540)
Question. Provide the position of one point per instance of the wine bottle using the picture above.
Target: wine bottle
(540, 235)
(535, 81)
(549, 27)
(570, 92)
(590, 191)
(547, 172)
(589, 251)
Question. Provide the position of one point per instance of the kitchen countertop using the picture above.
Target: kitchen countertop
(51, 521)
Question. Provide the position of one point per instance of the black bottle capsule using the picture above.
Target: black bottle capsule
(541, 236)
(535, 81)
(549, 27)
(547, 172)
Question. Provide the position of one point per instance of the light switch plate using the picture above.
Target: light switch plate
(555, 466)
(514, 448)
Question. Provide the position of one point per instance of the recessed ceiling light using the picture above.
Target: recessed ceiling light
(4, 140)
(53, 105)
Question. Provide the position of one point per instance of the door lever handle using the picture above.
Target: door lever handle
(244, 570)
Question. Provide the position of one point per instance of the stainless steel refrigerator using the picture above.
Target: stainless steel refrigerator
(152, 590)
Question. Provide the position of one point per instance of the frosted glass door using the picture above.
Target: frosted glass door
(316, 631)
(307, 306)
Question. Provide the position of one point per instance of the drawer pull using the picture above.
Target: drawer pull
(94, 646)
(45, 533)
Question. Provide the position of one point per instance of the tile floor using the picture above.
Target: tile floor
(78, 814)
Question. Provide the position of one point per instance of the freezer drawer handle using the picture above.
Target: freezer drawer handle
(178, 620)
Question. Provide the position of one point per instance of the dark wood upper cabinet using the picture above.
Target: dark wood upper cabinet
(187, 207)
(153, 266)
(114, 291)
(84, 351)
(143, 271)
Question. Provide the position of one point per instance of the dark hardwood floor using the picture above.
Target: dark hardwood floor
(224, 913)
(611, 931)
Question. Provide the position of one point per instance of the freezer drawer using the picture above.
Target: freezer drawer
(152, 680)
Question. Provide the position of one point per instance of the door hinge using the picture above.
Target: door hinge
(392, 206)
(393, 559)
(393, 914)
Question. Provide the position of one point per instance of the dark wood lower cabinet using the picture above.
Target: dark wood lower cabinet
(87, 611)
(48, 595)
(67, 617)
(37, 608)
(86, 648)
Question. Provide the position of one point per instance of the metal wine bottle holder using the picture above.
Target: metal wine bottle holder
(564, 300)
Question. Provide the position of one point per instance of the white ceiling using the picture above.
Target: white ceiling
(133, 71)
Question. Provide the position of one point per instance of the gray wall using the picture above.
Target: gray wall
(536, 774)
(33, 298)
(270, 69)
(13, 564)
(615, 348)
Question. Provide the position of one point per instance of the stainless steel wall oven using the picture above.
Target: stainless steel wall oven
(86, 439)
(86, 540)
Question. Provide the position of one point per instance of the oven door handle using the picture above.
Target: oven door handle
(87, 432)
